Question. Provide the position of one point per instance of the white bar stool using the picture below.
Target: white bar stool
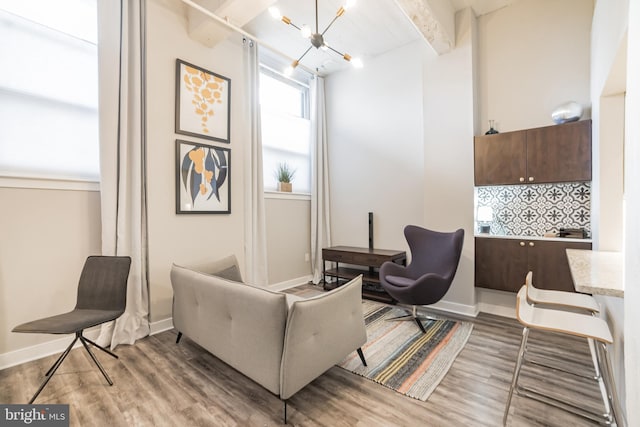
(572, 301)
(560, 299)
(575, 324)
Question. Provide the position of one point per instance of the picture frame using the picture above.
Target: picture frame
(203, 178)
(203, 103)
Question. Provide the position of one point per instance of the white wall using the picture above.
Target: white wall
(288, 239)
(375, 143)
(448, 152)
(46, 237)
(185, 238)
(607, 39)
(534, 56)
(632, 213)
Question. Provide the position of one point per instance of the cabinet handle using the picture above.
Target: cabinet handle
(531, 244)
(521, 179)
(521, 243)
(530, 179)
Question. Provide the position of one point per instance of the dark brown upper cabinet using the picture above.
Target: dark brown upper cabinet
(560, 153)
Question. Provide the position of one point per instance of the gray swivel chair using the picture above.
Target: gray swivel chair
(102, 297)
(434, 261)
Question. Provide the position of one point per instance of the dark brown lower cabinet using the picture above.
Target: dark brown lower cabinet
(502, 264)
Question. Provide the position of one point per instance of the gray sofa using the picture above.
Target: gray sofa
(280, 341)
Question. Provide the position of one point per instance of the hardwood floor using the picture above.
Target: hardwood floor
(159, 383)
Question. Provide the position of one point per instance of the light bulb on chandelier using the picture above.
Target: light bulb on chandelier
(316, 39)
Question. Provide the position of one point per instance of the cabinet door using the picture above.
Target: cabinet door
(500, 264)
(548, 261)
(500, 158)
(560, 153)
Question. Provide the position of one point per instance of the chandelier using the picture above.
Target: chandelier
(316, 38)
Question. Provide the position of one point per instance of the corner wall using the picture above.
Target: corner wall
(448, 94)
(375, 144)
(610, 23)
(632, 213)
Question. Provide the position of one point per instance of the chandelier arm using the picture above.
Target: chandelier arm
(330, 24)
(336, 51)
(293, 25)
(305, 52)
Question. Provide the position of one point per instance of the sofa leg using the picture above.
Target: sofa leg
(361, 354)
(179, 336)
(285, 411)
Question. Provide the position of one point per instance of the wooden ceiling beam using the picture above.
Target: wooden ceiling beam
(434, 19)
(237, 12)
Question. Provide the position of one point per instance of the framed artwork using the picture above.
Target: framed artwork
(203, 101)
(203, 179)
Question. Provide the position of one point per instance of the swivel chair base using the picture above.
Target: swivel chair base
(415, 317)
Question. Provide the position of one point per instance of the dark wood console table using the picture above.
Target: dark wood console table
(371, 258)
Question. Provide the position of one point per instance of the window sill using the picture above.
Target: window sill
(286, 196)
(48, 183)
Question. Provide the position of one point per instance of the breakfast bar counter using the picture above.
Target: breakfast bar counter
(597, 272)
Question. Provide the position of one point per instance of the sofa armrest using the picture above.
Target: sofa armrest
(320, 332)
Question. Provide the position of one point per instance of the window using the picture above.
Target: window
(286, 133)
(49, 89)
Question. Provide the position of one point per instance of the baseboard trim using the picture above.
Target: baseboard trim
(456, 308)
(288, 284)
(161, 326)
(499, 303)
(44, 349)
(498, 310)
(56, 346)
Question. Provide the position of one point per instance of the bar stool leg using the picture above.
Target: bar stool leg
(599, 378)
(607, 375)
(516, 373)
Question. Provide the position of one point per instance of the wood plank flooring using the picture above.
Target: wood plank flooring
(159, 383)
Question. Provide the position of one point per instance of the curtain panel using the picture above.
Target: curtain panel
(123, 184)
(255, 223)
(320, 207)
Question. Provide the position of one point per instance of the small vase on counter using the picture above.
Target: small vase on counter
(491, 130)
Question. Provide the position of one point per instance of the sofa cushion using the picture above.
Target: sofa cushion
(226, 267)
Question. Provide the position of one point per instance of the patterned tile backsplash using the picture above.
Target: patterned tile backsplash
(532, 210)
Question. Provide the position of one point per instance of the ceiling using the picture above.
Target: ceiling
(481, 7)
(371, 28)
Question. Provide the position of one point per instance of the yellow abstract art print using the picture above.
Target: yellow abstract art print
(202, 102)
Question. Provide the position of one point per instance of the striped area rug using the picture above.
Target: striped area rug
(401, 357)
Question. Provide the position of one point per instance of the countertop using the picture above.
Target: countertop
(551, 239)
(597, 272)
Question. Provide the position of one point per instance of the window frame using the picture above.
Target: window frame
(34, 179)
(305, 109)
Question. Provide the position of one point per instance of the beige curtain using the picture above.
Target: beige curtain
(320, 207)
(255, 224)
(121, 54)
